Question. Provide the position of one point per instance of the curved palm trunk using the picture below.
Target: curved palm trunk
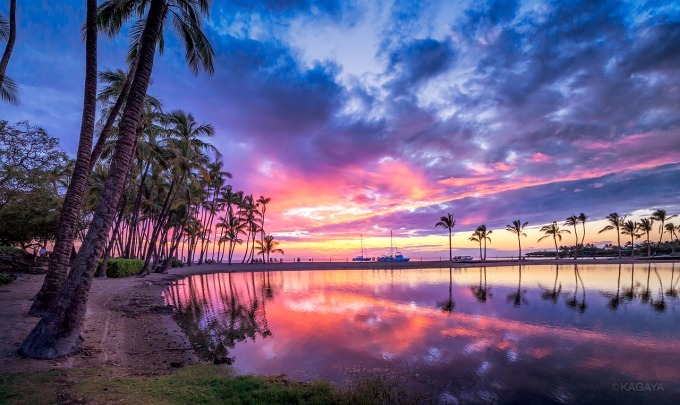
(632, 245)
(576, 247)
(73, 201)
(618, 239)
(557, 252)
(11, 40)
(58, 333)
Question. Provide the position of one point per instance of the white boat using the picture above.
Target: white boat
(361, 257)
(398, 257)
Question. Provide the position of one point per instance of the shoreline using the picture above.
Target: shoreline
(311, 266)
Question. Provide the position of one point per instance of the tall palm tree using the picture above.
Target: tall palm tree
(615, 222)
(263, 201)
(646, 225)
(517, 228)
(58, 332)
(661, 216)
(482, 235)
(573, 220)
(475, 237)
(73, 200)
(671, 229)
(447, 222)
(8, 32)
(582, 218)
(554, 231)
(630, 228)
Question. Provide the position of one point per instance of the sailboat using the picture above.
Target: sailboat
(398, 257)
(361, 257)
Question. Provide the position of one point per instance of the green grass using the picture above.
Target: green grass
(9, 249)
(196, 384)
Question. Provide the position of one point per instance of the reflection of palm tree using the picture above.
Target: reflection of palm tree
(518, 298)
(646, 294)
(517, 228)
(573, 302)
(630, 294)
(448, 305)
(615, 222)
(447, 222)
(615, 299)
(481, 292)
(556, 233)
(672, 291)
(659, 305)
(553, 294)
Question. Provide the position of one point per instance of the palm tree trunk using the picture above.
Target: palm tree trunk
(11, 40)
(58, 332)
(557, 252)
(450, 248)
(73, 201)
(519, 243)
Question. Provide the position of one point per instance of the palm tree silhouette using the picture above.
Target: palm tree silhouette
(447, 222)
(659, 305)
(481, 292)
(517, 228)
(646, 294)
(8, 32)
(661, 216)
(555, 232)
(482, 235)
(630, 227)
(672, 292)
(582, 218)
(615, 222)
(630, 293)
(615, 299)
(573, 302)
(645, 225)
(476, 237)
(573, 220)
(671, 229)
(517, 298)
(268, 246)
(448, 305)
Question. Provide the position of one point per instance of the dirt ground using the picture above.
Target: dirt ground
(127, 328)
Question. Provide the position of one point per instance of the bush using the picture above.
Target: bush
(123, 267)
(7, 278)
(9, 249)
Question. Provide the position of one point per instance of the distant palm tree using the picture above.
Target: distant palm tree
(630, 228)
(483, 236)
(661, 216)
(582, 218)
(646, 225)
(615, 222)
(475, 237)
(554, 231)
(268, 246)
(447, 222)
(517, 228)
(573, 220)
(672, 229)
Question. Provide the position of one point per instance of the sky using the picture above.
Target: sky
(361, 117)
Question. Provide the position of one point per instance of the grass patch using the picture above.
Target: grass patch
(196, 384)
(10, 249)
(119, 267)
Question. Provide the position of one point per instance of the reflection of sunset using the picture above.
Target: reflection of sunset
(322, 323)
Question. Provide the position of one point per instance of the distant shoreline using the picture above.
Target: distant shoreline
(309, 266)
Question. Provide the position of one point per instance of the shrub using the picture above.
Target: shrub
(7, 278)
(117, 268)
(9, 249)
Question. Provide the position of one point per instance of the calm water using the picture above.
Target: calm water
(564, 334)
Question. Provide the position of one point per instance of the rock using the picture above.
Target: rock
(223, 360)
(176, 364)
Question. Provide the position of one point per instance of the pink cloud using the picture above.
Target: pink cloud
(539, 157)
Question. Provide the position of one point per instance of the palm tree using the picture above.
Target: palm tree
(630, 228)
(671, 229)
(582, 218)
(573, 220)
(58, 332)
(447, 222)
(73, 201)
(481, 235)
(476, 238)
(263, 201)
(661, 216)
(646, 225)
(517, 228)
(8, 32)
(268, 246)
(555, 232)
(615, 222)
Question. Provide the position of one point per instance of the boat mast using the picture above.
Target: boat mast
(391, 249)
(362, 244)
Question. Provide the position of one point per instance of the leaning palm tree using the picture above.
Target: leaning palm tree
(573, 220)
(582, 218)
(661, 216)
(646, 225)
(483, 236)
(447, 222)
(475, 237)
(58, 332)
(517, 228)
(554, 231)
(263, 201)
(630, 228)
(8, 32)
(615, 222)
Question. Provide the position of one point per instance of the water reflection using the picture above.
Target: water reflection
(445, 332)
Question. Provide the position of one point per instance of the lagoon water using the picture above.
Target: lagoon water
(561, 334)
